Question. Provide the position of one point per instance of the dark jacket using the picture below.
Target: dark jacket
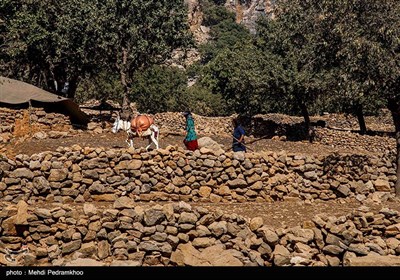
(237, 133)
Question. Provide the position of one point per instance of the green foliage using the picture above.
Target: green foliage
(103, 86)
(224, 31)
(159, 89)
(50, 40)
(298, 37)
(202, 101)
(368, 51)
(310, 48)
(144, 33)
(214, 14)
(219, 2)
(194, 70)
(314, 54)
(66, 40)
(245, 77)
(348, 48)
(226, 34)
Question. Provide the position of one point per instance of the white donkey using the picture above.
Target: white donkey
(151, 133)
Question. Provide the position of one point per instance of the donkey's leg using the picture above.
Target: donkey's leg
(129, 140)
(148, 146)
(156, 134)
(154, 138)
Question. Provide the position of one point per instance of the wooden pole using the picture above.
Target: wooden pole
(30, 119)
(243, 144)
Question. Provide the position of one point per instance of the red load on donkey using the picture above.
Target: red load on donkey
(141, 123)
(140, 126)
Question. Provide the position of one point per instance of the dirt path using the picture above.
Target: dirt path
(110, 140)
(278, 214)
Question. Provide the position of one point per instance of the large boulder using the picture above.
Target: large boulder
(215, 255)
(207, 142)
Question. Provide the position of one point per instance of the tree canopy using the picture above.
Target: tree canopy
(62, 41)
(224, 31)
(144, 33)
(50, 41)
(244, 77)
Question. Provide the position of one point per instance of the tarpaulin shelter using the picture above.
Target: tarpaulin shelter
(15, 93)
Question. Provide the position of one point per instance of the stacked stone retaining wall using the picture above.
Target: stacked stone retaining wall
(173, 174)
(175, 234)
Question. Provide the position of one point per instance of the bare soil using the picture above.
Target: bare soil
(110, 140)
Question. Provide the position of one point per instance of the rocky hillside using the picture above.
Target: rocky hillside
(247, 12)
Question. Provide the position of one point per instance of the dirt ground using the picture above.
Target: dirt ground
(276, 214)
(110, 140)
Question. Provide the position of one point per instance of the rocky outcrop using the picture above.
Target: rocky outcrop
(248, 11)
(195, 19)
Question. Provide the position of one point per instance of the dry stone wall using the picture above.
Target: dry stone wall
(174, 174)
(34, 122)
(39, 124)
(172, 122)
(175, 234)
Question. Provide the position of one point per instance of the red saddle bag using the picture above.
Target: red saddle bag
(141, 123)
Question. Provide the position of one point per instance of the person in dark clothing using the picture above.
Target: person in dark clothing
(238, 143)
(190, 140)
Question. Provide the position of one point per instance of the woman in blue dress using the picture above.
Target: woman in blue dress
(190, 140)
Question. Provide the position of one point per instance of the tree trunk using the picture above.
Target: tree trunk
(394, 108)
(305, 114)
(361, 120)
(126, 111)
(73, 85)
(310, 132)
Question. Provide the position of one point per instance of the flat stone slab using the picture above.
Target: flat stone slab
(374, 260)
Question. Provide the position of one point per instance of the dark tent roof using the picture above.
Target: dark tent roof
(16, 92)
